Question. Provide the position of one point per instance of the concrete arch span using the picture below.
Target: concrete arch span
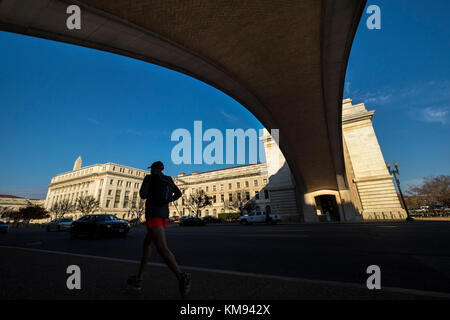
(283, 61)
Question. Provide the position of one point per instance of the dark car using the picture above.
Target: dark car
(97, 225)
(211, 219)
(191, 221)
(4, 227)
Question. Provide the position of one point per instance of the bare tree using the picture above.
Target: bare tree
(239, 204)
(433, 191)
(32, 212)
(87, 204)
(61, 208)
(198, 200)
(138, 211)
(7, 213)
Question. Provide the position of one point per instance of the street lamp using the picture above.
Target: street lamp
(395, 173)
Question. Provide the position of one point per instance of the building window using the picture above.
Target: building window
(247, 195)
(126, 199)
(133, 202)
(230, 197)
(266, 194)
(221, 187)
(214, 198)
(238, 185)
(117, 199)
(255, 183)
(239, 196)
(99, 194)
(214, 187)
(222, 198)
(265, 180)
(207, 188)
(109, 192)
(111, 181)
(257, 195)
(107, 203)
(229, 186)
(246, 184)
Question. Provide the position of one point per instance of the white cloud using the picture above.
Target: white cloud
(431, 114)
(93, 121)
(229, 116)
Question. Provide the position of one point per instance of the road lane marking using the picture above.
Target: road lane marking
(274, 235)
(244, 274)
(34, 243)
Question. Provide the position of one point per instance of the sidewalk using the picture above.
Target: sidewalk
(29, 274)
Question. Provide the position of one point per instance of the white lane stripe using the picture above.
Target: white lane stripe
(33, 243)
(274, 235)
(246, 274)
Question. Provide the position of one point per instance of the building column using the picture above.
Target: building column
(373, 191)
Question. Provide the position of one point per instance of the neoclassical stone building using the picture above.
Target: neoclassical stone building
(116, 187)
(371, 193)
(238, 184)
(15, 203)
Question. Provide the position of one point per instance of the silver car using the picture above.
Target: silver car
(60, 224)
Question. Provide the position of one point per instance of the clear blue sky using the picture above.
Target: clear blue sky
(58, 101)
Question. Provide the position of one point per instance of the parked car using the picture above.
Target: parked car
(191, 221)
(259, 217)
(211, 219)
(59, 224)
(97, 225)
(4, 227)
(174, 219)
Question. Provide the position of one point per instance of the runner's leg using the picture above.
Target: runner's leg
(159, 239)
(146, 250)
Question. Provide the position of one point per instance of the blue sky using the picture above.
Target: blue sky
(59, 101)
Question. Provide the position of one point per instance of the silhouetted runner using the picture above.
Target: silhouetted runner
(159, 190)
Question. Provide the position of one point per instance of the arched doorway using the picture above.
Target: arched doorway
(327, 208)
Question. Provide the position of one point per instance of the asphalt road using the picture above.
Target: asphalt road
(410, 255)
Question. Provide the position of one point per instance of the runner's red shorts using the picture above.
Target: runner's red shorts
(156, 222)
